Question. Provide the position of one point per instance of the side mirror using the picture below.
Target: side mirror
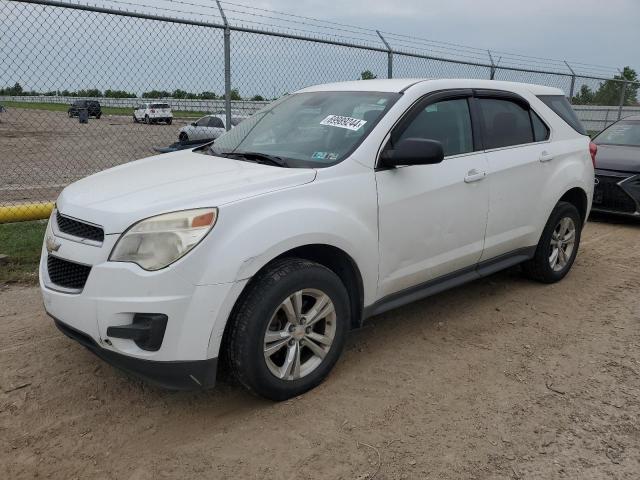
(413, 151)
(193, 124)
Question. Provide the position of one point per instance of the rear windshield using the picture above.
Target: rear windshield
(560, 105)
(160, 105)
(620, 133)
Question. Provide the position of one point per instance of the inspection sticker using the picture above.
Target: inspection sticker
(343, 122)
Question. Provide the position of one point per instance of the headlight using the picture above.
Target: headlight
(159, 241)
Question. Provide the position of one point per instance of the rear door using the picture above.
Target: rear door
(432, 218)
(516, 141)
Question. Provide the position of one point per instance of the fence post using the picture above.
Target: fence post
(622, 94)
(492, 72)
(389, 55)
(573, 82)
(227, 68)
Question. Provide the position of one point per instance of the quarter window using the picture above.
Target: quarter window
(505, 123)
(203, 122)
(448, 122)
(540, 129)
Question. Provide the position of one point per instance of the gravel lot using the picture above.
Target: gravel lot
(502, 378)
(43, 151)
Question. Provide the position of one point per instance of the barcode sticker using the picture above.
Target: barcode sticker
(343, 122)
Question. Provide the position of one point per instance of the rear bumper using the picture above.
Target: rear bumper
(176, 375)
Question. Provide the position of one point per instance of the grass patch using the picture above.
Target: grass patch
(63, 107)
(22, 242)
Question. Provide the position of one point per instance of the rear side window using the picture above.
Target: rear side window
(215, 122)
(562, 107)
(506, 123)
(448, 122)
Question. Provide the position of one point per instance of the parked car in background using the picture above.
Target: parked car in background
(328, 206)
(153, 113)
(208, 127)
(174, 147)
(92, 106)
(617, 188)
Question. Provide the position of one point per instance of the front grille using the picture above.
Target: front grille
(609, 196)
(79, 229)
(67, 274)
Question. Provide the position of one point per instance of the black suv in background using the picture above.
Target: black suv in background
(92, 105)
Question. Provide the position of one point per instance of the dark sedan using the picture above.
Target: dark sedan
(618, 168)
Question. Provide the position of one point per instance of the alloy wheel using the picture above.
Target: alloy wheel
(563, 241)
(300, 334)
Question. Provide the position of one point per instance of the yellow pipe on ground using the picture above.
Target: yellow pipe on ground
(25, 211)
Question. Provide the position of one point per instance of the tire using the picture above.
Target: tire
(183, 137)
(146, 119)
(263, 308)
(169, 120)
(552, 260)
(98, 116)
(135, 120)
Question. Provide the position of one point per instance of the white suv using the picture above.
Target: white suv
(328, 206)
(153, 113)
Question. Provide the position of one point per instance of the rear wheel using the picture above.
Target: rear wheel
(183, 137)
(558, 245)
(288, 330)
(135, 120)
(146, 119)
(169, 120)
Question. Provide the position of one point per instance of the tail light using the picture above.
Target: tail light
(593, 150)
(153, 111)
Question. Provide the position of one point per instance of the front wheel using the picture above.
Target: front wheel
(558, 245)
(146, 119)
(183, 137)
(288, 329)
(169, 121)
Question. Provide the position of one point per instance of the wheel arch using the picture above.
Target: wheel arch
(333, 258)
(578, 198)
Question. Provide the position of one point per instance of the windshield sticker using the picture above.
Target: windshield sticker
(343, 122)
(332, 156)
(319, 155)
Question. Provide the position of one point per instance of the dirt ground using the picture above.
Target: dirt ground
(499, 379)
(43, 151)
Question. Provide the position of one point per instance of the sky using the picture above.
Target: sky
(588, 31)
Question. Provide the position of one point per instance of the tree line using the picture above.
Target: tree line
(609, 92)
(18, 90)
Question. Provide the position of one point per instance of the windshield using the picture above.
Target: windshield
(620, 133)
(312, 129)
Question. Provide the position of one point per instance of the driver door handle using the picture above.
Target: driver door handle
(474, 176)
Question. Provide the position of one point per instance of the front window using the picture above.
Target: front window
(620, 133)
(312, 129)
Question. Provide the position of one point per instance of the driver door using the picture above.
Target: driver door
(432, 218)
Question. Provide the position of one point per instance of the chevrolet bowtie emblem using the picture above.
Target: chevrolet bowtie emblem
(52, 245)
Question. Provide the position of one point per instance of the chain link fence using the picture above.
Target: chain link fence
(53, 54)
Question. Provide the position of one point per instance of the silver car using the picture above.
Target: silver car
(208, 127)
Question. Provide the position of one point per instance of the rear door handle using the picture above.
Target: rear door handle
(546, 156)
(474, 176)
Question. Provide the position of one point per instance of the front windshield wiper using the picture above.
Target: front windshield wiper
(260, 157)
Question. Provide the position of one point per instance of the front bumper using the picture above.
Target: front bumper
(115, 294)
(617, 193)
(177, 375)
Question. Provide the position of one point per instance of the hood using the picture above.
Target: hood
(618, 157)
(118, 197)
